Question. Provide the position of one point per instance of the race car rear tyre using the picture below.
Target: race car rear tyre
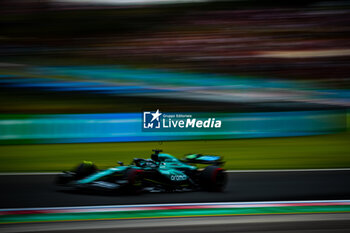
(213, 179)
(135, 184)
(84, 169)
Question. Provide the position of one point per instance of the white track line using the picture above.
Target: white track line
(230, 171)
(27, 173)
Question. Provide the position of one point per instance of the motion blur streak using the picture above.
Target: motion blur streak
(76, 72)
(167, 211)
(73, 128)
(269, 223)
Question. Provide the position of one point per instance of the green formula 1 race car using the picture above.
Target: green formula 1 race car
(161, 173)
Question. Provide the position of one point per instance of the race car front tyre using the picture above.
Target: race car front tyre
(213, 179)
(64, 178)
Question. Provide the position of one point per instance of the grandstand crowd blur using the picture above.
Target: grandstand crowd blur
(237, 53)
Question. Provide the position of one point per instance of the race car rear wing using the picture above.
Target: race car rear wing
(204, 159)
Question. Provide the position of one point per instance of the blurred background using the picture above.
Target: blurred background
(74, 71)
(76, 75)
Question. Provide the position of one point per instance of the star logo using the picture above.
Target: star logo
(156, 115)
(151, 120)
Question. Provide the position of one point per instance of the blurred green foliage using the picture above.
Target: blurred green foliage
(329, 151)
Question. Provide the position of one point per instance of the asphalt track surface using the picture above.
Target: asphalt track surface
(22, 191)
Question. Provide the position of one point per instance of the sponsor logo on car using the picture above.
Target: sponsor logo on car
(178, 177)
